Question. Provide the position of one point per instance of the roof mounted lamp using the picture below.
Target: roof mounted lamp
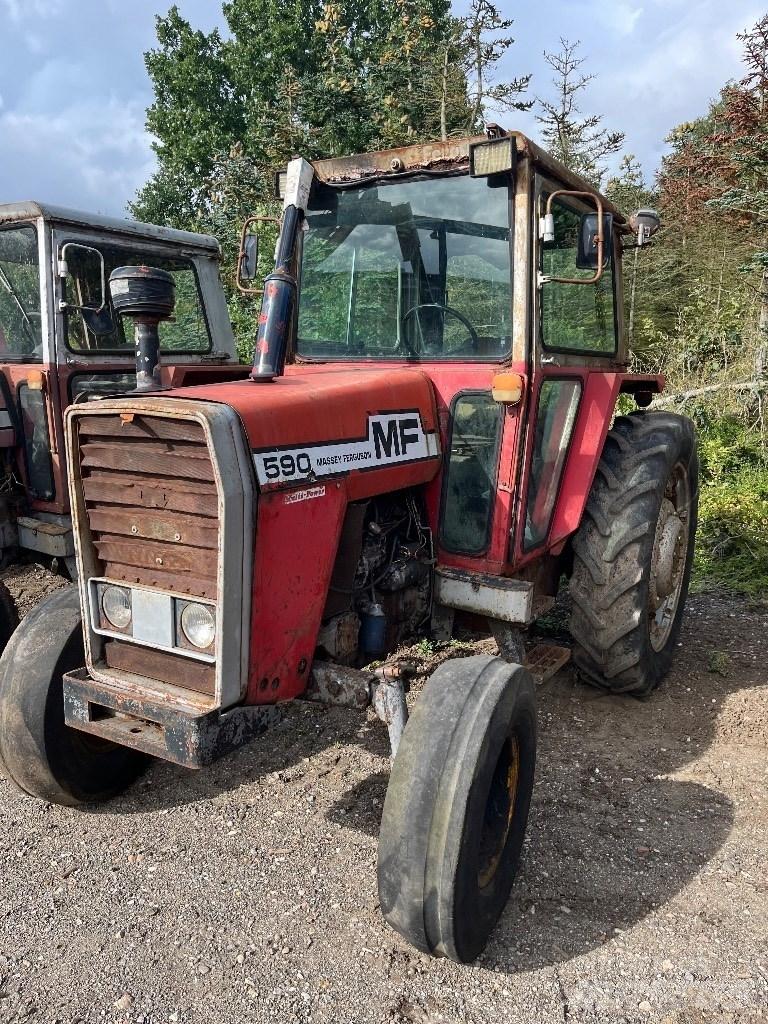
(645, 223)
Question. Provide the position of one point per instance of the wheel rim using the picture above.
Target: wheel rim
(670, 550)
(499, 811)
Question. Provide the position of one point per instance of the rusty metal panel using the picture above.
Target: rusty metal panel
(173, 494)
(183, 584)
(154, 524)
(152, 554)
(168, 668)
(192, 736)
(147, 458)
(427, 156)
(142, 428)
(495, 597)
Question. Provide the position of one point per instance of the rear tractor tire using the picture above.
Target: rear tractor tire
(39, 752)
(633, 553)
(457, 805)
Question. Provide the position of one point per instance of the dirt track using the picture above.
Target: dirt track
(248, 892)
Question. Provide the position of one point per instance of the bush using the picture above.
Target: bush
(732, 538)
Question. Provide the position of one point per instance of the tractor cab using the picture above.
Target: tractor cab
(61, 342)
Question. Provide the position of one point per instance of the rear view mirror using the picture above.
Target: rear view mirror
(98, 321)
(82, 275)
(248, 256)
(249, 259)
(586, 255)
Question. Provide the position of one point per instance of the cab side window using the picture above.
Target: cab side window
(186, 332)
(574, 317)
(20, 312)
(470, 479)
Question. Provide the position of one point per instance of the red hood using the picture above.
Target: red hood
(335, 417)
(309, 406)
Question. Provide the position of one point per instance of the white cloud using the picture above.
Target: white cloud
(93, 152)
(19, 10)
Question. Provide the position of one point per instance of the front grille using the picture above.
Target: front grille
(151, 501)
(152, 510)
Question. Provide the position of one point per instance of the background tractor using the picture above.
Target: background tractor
(60, 342)
(441, 444)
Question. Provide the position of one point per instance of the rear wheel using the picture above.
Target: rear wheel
(633, 553)
(38, 751)
(457, 805)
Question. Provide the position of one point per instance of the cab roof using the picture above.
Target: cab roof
(30, 210)
(445, 156)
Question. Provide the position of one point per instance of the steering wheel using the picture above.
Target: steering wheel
(445, 309)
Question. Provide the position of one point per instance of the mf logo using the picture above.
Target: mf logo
(393, 435)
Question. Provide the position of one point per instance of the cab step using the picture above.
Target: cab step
(544, 660)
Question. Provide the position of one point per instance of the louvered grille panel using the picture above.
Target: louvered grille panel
(150, 495)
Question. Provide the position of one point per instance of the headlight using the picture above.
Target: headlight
(198, 624)
(116, 605)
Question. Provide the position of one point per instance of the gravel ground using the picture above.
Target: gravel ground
(248, 892)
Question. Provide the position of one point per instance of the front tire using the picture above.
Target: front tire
(633, 553)
(457, 805)
(9, 616)
(38, 751)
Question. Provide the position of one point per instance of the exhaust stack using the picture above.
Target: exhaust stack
(148, 296)
(278, 303)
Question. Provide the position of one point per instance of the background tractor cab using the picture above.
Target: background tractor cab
(61, 342)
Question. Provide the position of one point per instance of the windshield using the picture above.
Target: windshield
(186, 332)
(417, 269)
(20, 320)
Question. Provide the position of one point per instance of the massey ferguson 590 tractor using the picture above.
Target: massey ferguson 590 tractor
(61, 342)
(441, 445)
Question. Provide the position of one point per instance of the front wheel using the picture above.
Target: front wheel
(457, 805)
(38, 750)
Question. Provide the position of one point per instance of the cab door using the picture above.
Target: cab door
(575, 350)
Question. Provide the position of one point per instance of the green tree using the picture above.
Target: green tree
(482, 42)
(576, 140)
(628, 190)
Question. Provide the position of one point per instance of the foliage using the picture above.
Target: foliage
(579, 142)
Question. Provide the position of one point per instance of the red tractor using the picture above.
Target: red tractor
(60, 342)
(441, 444)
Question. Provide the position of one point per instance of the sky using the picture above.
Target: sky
(74, 90)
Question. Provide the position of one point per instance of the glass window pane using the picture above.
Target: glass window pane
(109, 383)
(37, 445)
(187, 332)
(470, 482)
(417, 269)
(555, 417)
(20, 316)
(577, 317)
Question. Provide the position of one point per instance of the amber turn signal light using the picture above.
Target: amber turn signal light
(507, 388)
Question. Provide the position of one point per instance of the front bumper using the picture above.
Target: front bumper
(190, 737)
